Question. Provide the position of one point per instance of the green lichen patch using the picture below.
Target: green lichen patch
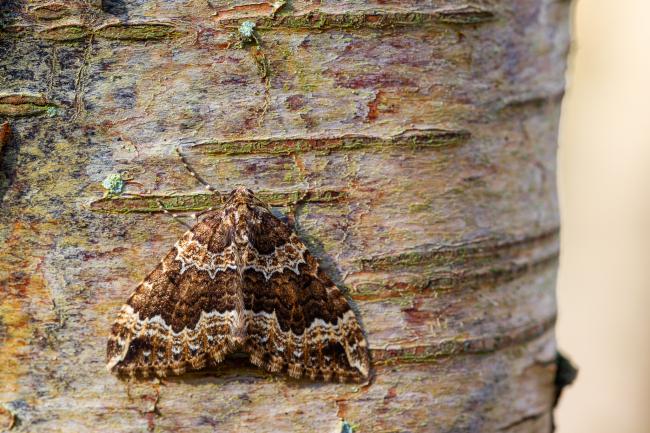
(245, 35)
(465, 15)
(247, 30)
(295, 197)
(199, 202)
(20, 105)
(67, 32)
(419, 207)
(156, 203)
(317, 20)
(138, 31)
(415, 138)
(114, 184)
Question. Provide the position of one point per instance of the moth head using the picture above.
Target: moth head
(244, 196)
(241, 194)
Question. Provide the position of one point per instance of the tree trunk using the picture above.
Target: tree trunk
(411, 143)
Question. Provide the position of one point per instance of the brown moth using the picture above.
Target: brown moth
(240, 280)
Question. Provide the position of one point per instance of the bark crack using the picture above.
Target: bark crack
(521, 421)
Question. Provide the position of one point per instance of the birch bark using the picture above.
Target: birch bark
(412, 142)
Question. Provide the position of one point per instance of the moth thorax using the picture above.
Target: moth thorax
(241, 237)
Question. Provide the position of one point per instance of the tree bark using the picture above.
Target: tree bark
(411, 143)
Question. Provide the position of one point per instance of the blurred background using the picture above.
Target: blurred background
(604, 178)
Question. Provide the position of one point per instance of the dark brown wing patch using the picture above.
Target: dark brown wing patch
(184, 314)
(299, 321)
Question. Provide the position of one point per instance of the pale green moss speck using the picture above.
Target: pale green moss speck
(246, 29)
(114, 184)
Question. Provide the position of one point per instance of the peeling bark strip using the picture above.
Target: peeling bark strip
(75, 20)
(480, 265)
(433, 138)
(415, 354)
(18, 105)
(465, 15)
(137, 31)
(199, 202)
(318, 20)
(414, 141)
(118, 31)
(458, 255)
(473, 277)
(51, 11)
(66, 32)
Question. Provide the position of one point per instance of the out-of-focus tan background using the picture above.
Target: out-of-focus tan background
(604, 162)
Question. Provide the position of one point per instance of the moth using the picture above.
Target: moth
(240, 280)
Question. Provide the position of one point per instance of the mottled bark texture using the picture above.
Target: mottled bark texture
(411, 142)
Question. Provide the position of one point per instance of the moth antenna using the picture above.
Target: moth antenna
(203, 212)
(173, 215)
(193, 173)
